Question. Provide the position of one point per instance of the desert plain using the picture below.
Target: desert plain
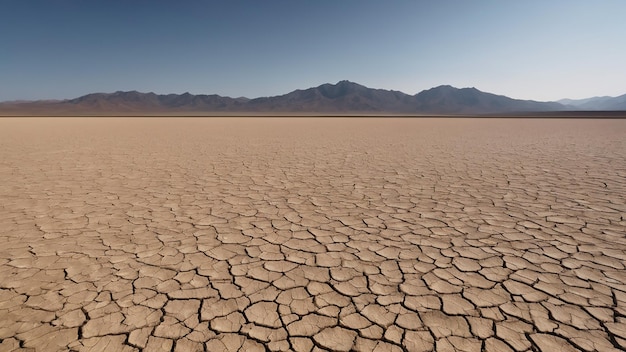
(312, 234)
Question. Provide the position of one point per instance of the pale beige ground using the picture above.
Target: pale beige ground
(312, 234)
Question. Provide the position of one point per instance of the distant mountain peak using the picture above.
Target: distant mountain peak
(597, 103)
(340, 89)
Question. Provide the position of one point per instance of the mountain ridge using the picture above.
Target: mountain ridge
(597, 103)
(342, 97)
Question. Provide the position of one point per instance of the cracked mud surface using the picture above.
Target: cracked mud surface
(312, 234)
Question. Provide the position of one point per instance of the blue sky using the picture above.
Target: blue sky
(532, 49)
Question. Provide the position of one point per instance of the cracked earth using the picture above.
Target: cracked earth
(260, 234)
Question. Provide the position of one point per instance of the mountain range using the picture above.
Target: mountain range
(597, 103)
(344, 97)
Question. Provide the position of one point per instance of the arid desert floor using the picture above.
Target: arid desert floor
(305, 234)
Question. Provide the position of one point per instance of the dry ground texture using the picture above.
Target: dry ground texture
(261, 234)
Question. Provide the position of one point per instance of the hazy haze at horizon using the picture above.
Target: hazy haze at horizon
(541, 50)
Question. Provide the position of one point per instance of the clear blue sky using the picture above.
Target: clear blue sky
(532, 49)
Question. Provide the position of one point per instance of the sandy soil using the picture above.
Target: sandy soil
(311, 234)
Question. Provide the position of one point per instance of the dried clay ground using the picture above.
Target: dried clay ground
(257, 234)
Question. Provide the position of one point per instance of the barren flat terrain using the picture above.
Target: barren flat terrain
(256, 234)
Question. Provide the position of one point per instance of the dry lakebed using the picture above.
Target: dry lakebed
(312, 234)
